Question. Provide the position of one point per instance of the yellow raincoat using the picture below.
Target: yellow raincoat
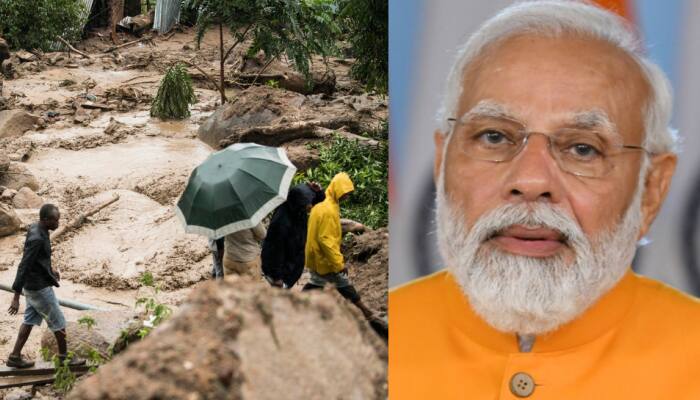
(324, 235)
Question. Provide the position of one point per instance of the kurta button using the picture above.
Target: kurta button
(522, 384)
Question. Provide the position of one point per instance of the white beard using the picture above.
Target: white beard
(528, 295)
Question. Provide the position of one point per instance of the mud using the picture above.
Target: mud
(239, 339)
(94, 137)
(368, 258)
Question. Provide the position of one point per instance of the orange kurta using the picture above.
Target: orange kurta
(639, 341)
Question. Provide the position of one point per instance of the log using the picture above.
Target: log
(78, 221)
(96, 106)
(279, 134)
(71, 48)
(143, 39)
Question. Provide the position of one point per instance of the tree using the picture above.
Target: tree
(367, 23)
(36, 24)
(295, 28)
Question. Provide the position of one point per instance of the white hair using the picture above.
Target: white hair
(554, 18)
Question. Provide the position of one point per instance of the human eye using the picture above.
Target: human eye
(493, 137)
(583, 151)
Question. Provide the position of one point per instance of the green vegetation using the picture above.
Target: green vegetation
(87, 321)
(367, 25)
(36, 24)
(296, 29)
(368, 169)
(45, 354)
(175, 94)
(95, 358)
(64, 378)
(157, 312)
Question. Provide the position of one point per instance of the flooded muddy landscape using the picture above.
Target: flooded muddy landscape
(81, 133)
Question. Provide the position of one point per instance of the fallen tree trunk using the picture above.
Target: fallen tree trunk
(78, 221)
(277, 135)
(71, 48)
(143, 39)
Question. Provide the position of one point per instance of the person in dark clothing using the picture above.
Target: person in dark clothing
(283, 247)
(36, 278)
(217, 251)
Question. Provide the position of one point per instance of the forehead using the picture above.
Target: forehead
(545, 81)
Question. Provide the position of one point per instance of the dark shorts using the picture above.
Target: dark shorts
(43, 305)
(338, 279)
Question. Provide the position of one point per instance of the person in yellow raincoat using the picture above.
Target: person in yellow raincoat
(553, 159)
(323, 257)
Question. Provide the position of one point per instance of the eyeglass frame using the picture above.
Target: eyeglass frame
(454, 121)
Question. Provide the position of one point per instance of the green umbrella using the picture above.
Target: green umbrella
(234, 189)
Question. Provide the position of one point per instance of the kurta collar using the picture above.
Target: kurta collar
(600, 318)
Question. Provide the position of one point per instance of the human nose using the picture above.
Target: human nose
(532, 174)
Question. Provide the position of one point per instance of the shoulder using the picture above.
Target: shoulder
(663, 302)
(34, 234)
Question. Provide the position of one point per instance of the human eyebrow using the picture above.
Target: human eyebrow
(595, 120)
(489, 109)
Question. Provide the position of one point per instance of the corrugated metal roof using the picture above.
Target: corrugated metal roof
(167, 15)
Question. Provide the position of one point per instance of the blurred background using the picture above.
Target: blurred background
(423, 37)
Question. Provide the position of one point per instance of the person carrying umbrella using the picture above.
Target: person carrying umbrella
(228, 195)
(283, 248)
(323, 257)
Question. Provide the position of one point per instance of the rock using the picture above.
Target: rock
(301, 155)
(25, 56)
(4, 162)
(18, 394)
(255, 108)
(18, 176)
(7, 67)
(9, 222)
(26, 198)
(7, 194)
(81, 339)
(16, 122)
(4, 50)
(351, 226)
(242, 339)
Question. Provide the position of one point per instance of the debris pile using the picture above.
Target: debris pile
(239, 339)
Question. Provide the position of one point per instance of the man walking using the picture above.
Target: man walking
(36, 278)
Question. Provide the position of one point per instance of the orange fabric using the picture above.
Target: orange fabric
(639, 341)
(620, 7)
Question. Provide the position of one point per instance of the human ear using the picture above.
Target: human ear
(439, 139)
(656, 185)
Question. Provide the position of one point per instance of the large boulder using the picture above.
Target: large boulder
(81, 339)
(16, 122)
(242, 339)
(9, 222)
(26, 198)
(260, 106)
(18, 176)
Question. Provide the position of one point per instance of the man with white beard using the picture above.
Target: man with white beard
(552, 160)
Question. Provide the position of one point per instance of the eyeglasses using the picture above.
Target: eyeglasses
(581, 152)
